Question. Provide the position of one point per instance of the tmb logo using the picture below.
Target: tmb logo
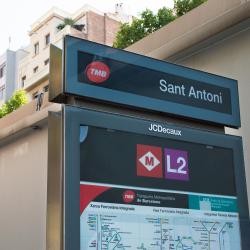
(97, 72)
(128, 196)
(149, 161)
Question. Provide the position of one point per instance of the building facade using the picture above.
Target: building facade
(9, 73)
(89, 23)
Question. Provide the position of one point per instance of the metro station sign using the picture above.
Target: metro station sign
(101, 73)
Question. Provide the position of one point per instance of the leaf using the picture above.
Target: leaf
(66, 21)
(147, 23)
(18, 99)
(183, 6)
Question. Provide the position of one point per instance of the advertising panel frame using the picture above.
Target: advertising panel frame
(69, 197)
(69, 84)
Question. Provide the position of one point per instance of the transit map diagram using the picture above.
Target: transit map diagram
(145, 231)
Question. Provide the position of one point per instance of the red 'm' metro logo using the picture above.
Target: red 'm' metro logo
(149, 161)
(97, 72)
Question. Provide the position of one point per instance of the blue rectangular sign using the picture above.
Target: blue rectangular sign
(111, 75)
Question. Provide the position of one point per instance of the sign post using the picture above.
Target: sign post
(133, 183)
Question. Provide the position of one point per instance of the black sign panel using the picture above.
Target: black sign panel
(103, 73)
(145, 184)
(151, 83)
(207, 169)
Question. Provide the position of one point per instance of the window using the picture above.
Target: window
(23, 81)
(2, 71)
(2, 90)
(47, 40)
(46, 62)
(35, 95)
(46, 88)
(36, 48)
(35, 69)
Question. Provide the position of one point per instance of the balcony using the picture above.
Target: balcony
(67, 30)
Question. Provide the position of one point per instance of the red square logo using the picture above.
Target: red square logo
(149, 161)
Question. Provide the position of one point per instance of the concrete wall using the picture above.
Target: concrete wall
(3, 61)
(10, 59)
(96, 27)
(101, 28)
(231, 58)
(20, 54)
(10, 73)
(111, 28)
(23, 183)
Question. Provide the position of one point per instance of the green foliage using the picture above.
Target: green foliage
(181, 7)
(18, 99)
(141, 27)
(148, 22)
(66, 21)
(3, 111)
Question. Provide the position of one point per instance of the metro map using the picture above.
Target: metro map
(109, 230)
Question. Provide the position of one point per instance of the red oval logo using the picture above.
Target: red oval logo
(128, 196)
(97, 72)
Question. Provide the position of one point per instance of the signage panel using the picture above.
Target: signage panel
(146, 185)
(103, 73)
(128, 203)
(155, 84)
(144, 161)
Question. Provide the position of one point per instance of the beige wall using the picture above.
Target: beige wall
(111, 27)
(23, 184)
(101, 28)
(37, 88)
(31, 61)
(230, 58)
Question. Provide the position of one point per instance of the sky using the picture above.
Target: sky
(17, 16)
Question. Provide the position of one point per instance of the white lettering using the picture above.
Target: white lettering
(205, 96)
(169, 169)
(192, 92)
(163, 85)
(98, 72)
(171, 88)
(182, 166)
(160, 129)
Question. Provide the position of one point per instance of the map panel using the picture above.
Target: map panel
(129, 224)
